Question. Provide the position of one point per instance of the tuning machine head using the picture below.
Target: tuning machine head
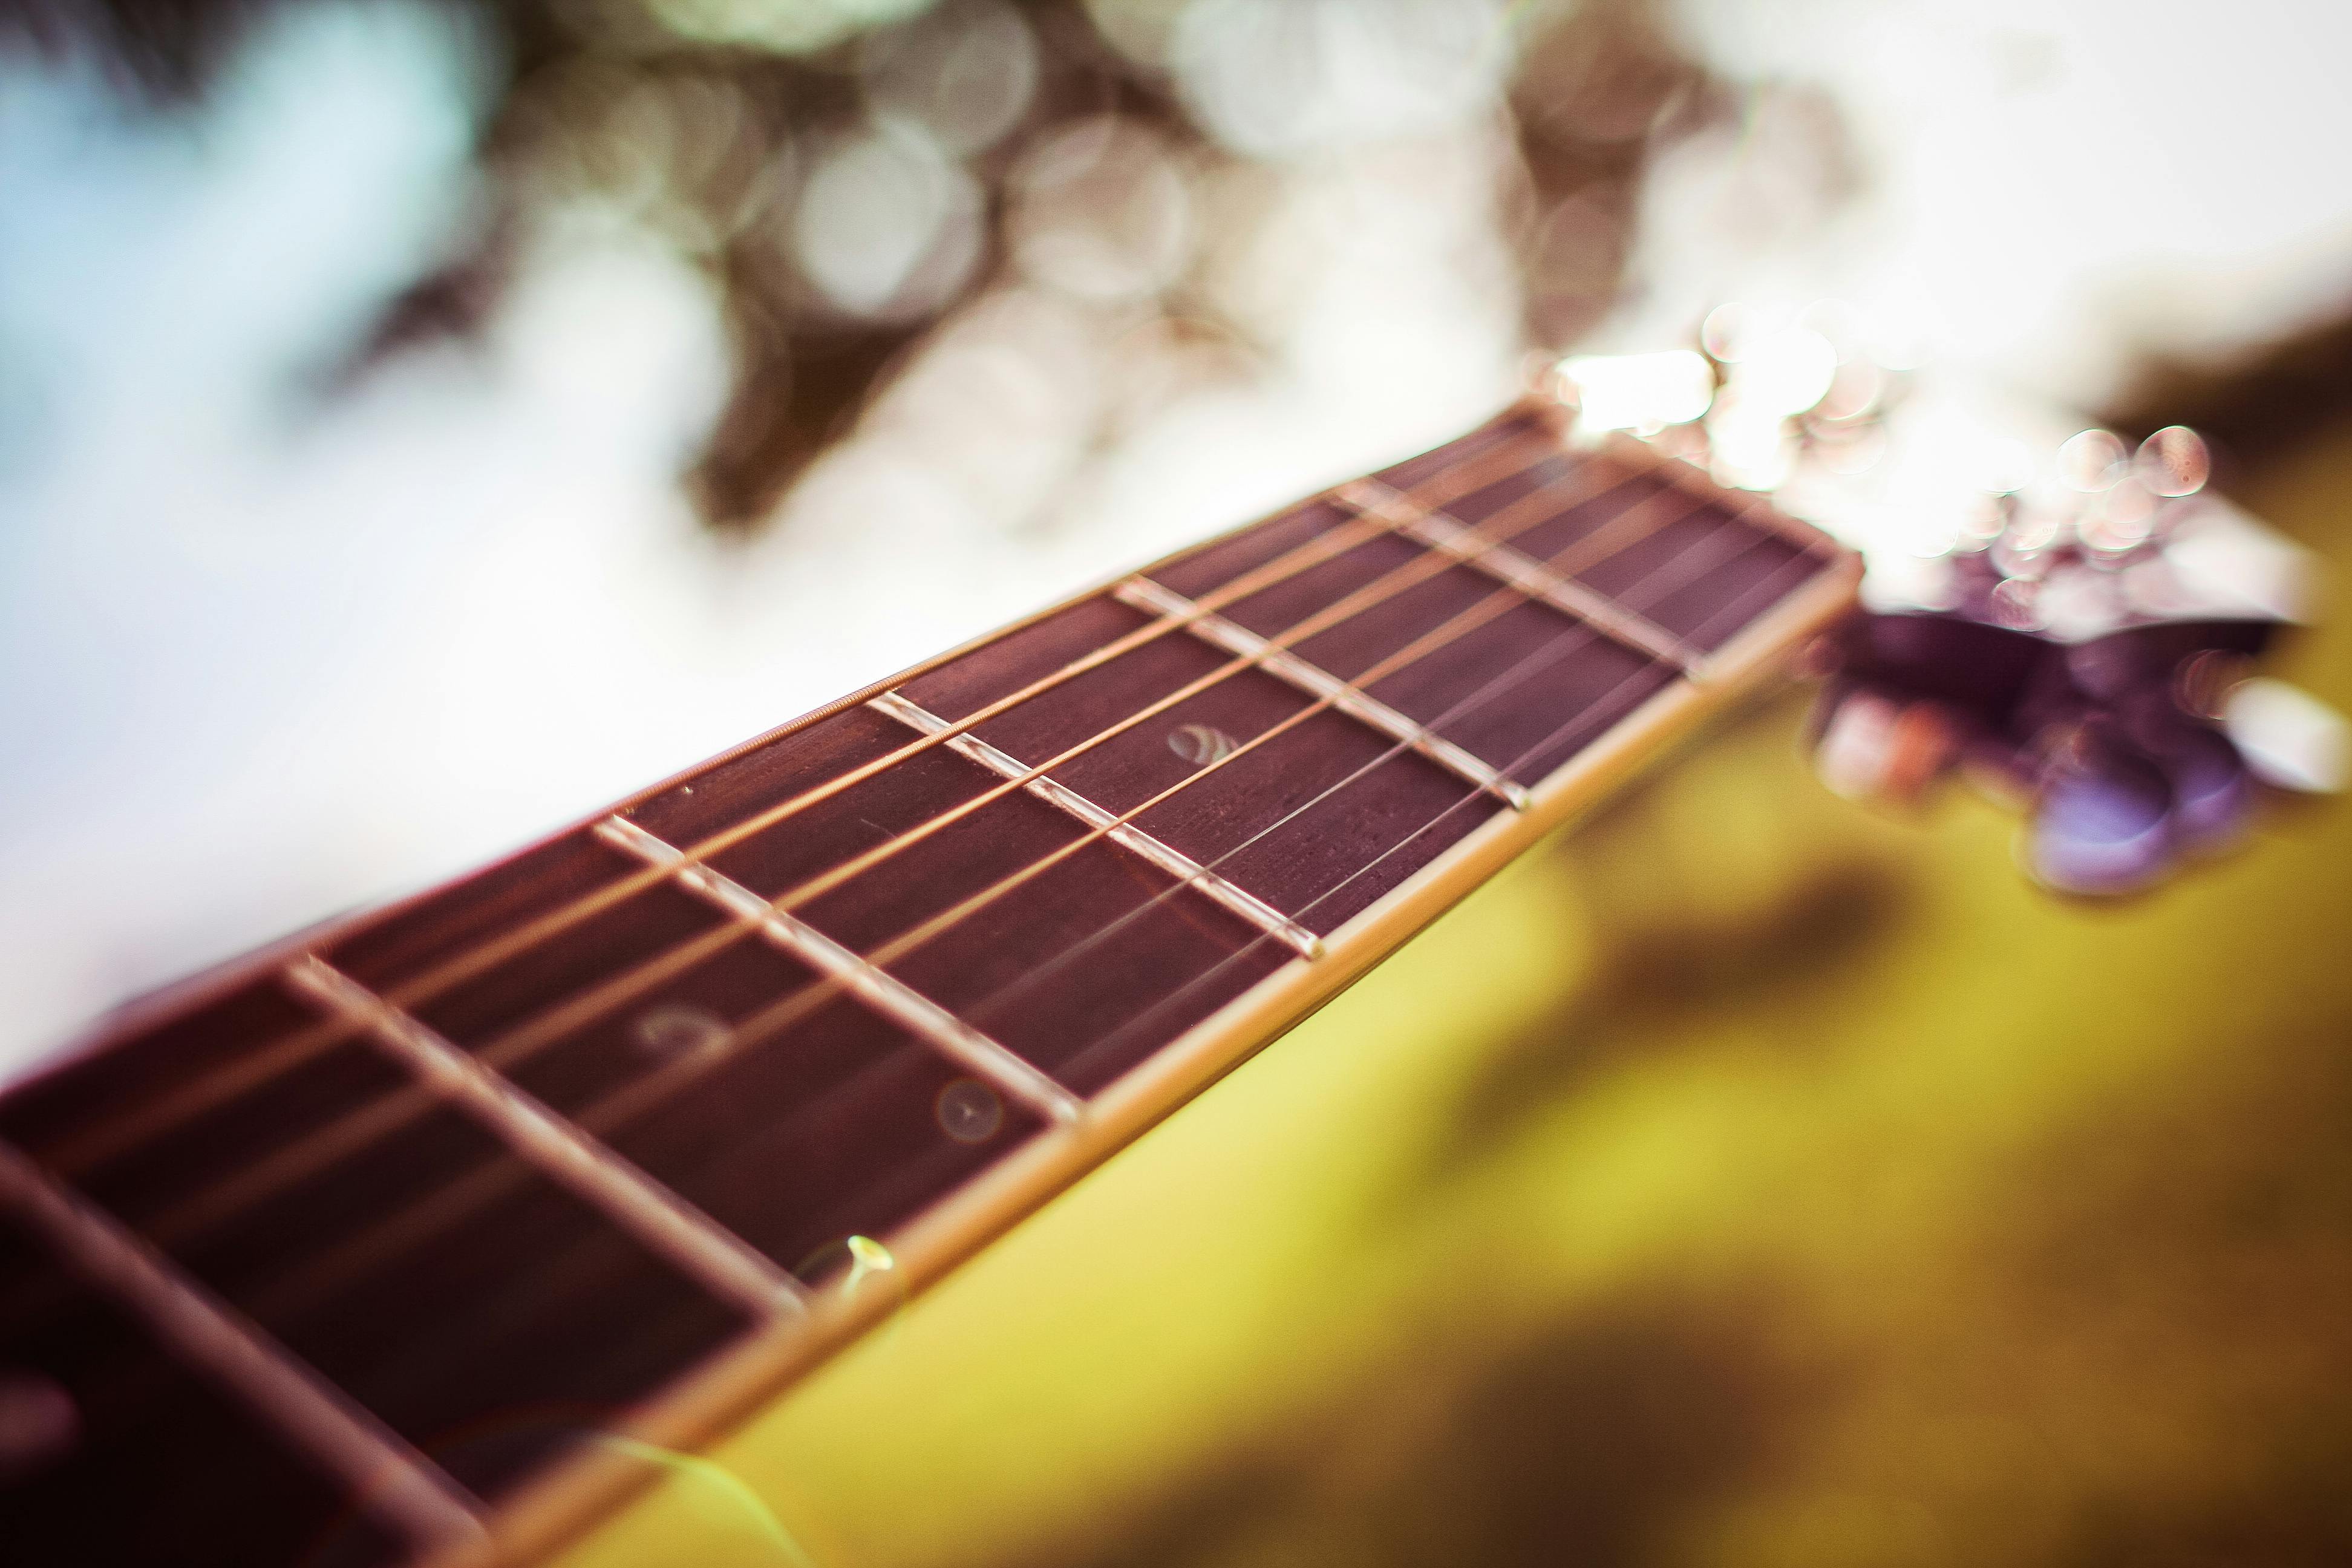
(2083, 641)
(2067, 618)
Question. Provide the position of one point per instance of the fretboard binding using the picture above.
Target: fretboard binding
(1236, 898)
(385, 1475)
(977, 1053)
(1143, 593)
(709, 1253)
(1441, 531)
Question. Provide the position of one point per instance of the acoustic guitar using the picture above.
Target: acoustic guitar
(410, 1239)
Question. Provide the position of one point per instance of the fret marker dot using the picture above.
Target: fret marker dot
(678, 1030)
(39, 1422)
(1199, 745)
(968, 1111)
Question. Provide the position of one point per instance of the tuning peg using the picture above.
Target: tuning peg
(2102, 821)
(2069, 623)
(2290, 739)
(2212, 792)
(1876, 745)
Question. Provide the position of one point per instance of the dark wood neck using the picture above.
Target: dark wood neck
(353, 1243)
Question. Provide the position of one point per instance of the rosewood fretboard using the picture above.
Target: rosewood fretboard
(341, 1257)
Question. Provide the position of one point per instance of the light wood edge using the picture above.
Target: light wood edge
(737, 1382)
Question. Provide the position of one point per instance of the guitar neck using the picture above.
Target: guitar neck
(353, 1243)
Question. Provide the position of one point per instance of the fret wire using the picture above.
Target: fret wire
(1438, 637)
(1396, 581)
(1547, 500)
(1146, 594)
(782, 1014)
(1674, 574)
(329, 1142)
(708, 1252)
(884, 992)
(617, 1107)
(107, 1141)
(792, 1009)
(325, 1143)
(1441, 530)
(1365, 870)
(1739, 601)
(385, 1477)
(1352, 604)
(625, 1102)
(94, 1150)
(1334, 541)
(1118, 830)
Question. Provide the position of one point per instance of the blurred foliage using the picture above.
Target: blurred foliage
(713, 122)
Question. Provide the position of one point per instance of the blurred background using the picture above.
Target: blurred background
(423, 421)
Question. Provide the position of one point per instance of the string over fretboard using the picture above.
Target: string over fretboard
(609, 1128)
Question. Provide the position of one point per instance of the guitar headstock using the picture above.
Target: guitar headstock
(2071, 621)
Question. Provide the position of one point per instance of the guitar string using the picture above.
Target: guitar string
(517, 1044)
(318, 1279)
(1553, 505)
(1687, 564)
(1546, 743)
(1470, 472)
(1583, 637)
(1425, 566)
(333, 1140)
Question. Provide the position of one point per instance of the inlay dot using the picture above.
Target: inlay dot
(1201, 745)
(39, 1422)
(675, 1029)
(968, 1111)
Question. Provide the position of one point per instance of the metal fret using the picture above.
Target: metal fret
(707, 1250)
(385, 1475)
(1143, 593)
(1438, 530)
(977, 1053)
(1173, 861)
